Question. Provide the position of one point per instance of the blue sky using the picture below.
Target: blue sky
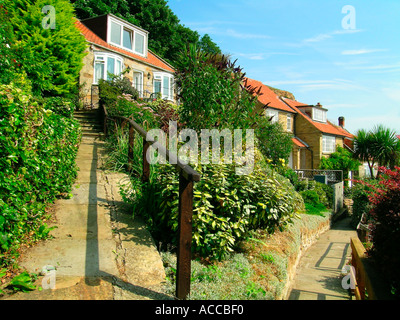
(346, 58)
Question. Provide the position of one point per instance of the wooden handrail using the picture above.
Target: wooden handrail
(187, 176)
(369, 283)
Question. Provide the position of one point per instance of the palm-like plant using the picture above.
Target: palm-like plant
(379, 146)
(386, 146)
(362, 148)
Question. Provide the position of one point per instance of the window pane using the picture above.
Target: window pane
(139, 43)
(115, 33)
(110, 66)
(165, 87)
(98, 71)
(138, 82)
(157, 86)
(127, 38)
(328, 144)
(319, 115)
(119, 67)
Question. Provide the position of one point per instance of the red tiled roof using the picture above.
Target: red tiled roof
(327, 127)
(151, 59)
(298, 143)
(268, 96)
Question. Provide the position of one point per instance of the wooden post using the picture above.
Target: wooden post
(146, 165)
(183, 270)
(130, 147)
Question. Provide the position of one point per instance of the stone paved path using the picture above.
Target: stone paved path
(318, 274)
(98, 250)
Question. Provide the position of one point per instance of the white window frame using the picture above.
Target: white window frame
(133, 31)
(139, 87)
(289, 123)
(166, 93)
(328, 144)
(319, 115)
(272, 113)
(102, 57)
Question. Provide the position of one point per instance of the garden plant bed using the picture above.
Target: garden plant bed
(262, 267)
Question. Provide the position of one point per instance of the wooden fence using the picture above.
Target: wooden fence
(369, 284)
(187, 176)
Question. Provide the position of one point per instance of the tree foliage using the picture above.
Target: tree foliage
(211, 90)
(167, 35)
(51, 57)
(379, 146)
(342, 159)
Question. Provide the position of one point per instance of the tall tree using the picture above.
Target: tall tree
(52, 46)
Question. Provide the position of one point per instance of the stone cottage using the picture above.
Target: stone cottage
(114, 46)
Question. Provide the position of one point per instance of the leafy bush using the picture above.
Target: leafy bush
(273, 141)
(211, 91)
(37, 164)
(119, 102)
(226, 206)
(385, 223)
(343, 160)
(322, 191)
(310, 196)
(62, 106)
(360, 195)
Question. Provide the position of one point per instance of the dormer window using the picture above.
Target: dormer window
(319, 114)
(127, 36)
(316, 113)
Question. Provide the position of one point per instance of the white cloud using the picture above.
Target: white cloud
(361, 51)
(235, 34)
(314, 85)
(325, 36)
(318, 38)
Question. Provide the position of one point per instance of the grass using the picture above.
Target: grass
(315, 209)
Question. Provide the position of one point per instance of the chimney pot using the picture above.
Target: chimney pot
(341, 122)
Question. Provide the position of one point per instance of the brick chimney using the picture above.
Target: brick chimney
(341, 122)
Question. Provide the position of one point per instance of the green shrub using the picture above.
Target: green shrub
(360, 195)
(210, 89)
(310, 196)
(119, 103)
(51, 57)
(323, 191)
(37, 164)
(226, 206)
(62, 106)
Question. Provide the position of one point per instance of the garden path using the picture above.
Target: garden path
(318, 276)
